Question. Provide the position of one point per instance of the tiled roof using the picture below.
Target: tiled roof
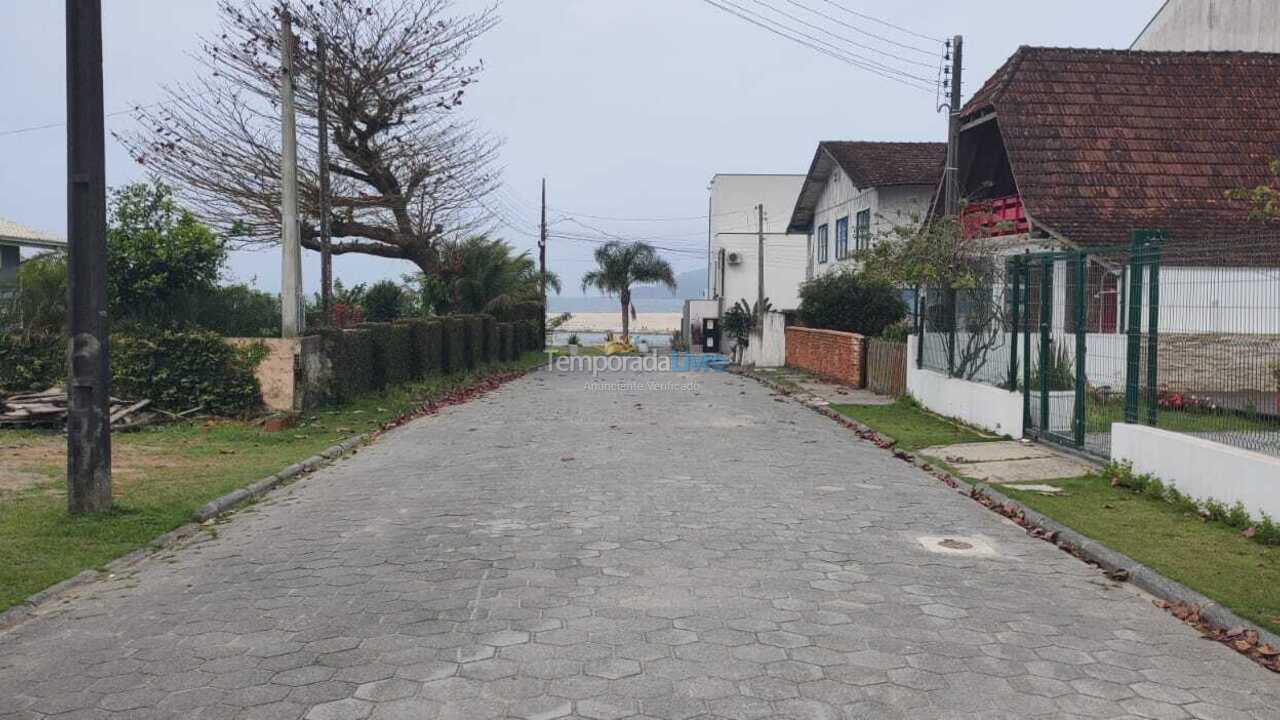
(868, 165)
(1104, 141)
(24, 235)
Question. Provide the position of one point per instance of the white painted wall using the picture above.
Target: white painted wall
(768, 347)
(733, 225)
(1201, 468)
(985, 406)
(890, 207)
(1213, 25)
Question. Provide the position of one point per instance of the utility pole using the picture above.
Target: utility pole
(88, 414)
(542, 264)
(760, 260)
(322, 118)
(953, 127)
(291, 321)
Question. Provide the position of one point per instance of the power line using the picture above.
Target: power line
(838, 55)
(135, 108)
(862, 61)
(886, 23)
(872, 48)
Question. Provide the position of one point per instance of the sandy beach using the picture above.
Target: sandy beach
(603, 322)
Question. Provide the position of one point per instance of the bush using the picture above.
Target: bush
(34, 363)
(475, 341)
(850, 302)
(492, 340)
(179, 370)
(428, 346)
(507, 331)
(455, 344)
(383, 302)
(237, 311)
(393, 352)
(355, 368)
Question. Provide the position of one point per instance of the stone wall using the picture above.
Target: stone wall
(1218, 362)
(838, 356)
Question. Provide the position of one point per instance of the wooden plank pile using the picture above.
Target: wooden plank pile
(49, 408)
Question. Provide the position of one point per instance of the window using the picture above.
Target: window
(863, 239)
(822, 243)
(842, 238)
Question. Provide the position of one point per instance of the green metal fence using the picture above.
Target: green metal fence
(1178, 335)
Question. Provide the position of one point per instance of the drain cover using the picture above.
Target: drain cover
(958, 545)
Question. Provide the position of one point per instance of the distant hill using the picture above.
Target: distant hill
(690, 284)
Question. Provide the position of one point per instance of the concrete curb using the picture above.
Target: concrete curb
(1110, 561)
(26, 609)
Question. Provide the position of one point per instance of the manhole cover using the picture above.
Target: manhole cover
(958, 545)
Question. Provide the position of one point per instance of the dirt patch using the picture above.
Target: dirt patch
(30, 461)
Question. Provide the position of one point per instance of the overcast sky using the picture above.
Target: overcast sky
(628, 107)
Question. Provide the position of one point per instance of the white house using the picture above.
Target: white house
(856, 192)
(1249, 25)
(14, 237)
(733, 233)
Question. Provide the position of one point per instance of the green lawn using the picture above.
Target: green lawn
(161, 476)
(1211, 558)
(913, 427)
(1100, 415)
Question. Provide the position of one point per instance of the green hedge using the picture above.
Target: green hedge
(455, 344)
(428, 346)
(355, 368)
(475, 341)
(180, 370)
(393, 352)
(492, 341)
(37, 363)
(507, 333)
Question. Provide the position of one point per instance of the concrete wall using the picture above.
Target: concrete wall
(838, 356)
(1201, 468)
(295, 376)
(1213, 25)
(768, 345)
(985, 406)
(733, 226)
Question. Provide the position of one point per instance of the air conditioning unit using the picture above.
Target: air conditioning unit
(734, 258)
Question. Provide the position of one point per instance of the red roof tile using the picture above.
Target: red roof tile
(868, 165)
(1105, 141)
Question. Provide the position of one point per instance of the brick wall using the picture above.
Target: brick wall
(838, 356)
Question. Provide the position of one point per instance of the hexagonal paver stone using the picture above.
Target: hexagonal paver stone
(543, 708)
(348, 709)
(673, 636)
(796, 672)
(503, 638)
(409, 709)
(394, 689)
(303, 676)
(784, 639)
(944, 611)
(614, 668)
(427, 671)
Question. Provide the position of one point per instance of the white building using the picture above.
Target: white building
(856, 192)
(1251, 25)
(14, 237)
(734, 239)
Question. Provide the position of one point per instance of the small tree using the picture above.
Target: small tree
(1264, 199)
(383, 302)
(621, 265)
(160, 259)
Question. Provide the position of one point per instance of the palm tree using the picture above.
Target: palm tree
(621, 265)
(481, 275)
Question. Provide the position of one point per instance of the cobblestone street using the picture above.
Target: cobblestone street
(559, 550)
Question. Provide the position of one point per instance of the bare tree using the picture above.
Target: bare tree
(408, 170)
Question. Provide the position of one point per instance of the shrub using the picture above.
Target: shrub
(896, 332)
(428, 345)
(237, 311)
(455, 344)
(1060, 372)
(393, 355)
(383, 302)
(34, 363)
(180, 370)
(850, 302)
(355, 369)
(475, 341)
(508, 341)
(492, 340)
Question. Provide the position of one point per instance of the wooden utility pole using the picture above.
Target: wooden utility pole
(322, 119)
(542, 263)
(291, 321)
(953, 127)
(760, 259)
(88, 415)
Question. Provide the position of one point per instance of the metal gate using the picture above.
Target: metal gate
(1083, 348)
